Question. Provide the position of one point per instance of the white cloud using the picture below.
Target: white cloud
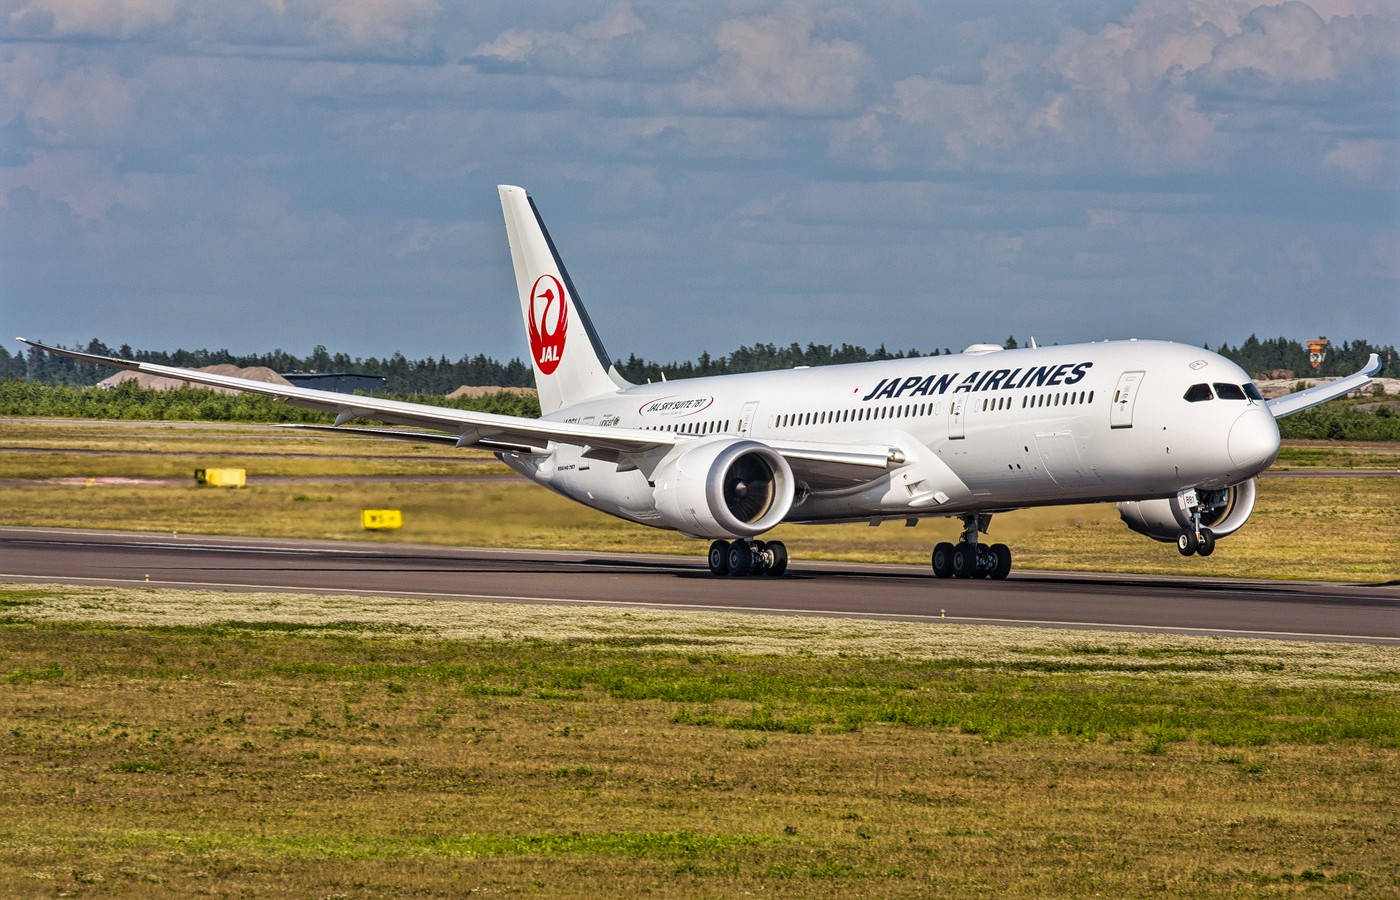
(376, 23)
(775, 64)
(616, 39)
(92, 18)
(1150, 94)
(1369, 160)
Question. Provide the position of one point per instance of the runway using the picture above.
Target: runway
(1276, 609)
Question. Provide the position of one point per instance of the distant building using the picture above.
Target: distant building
(338, 382)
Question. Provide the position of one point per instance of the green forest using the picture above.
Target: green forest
(440, 375)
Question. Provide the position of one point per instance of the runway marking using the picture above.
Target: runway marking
(780, 610)
(227, 548)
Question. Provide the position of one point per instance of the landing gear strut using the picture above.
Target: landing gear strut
(970, 559)
(739, 558)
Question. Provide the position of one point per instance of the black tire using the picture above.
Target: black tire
(780, 559)
(740, 559)
(1207, 543)
(964, 560)
(719, 558)
(1003, 563)
(983, 567)
(1186, 543)
(942, 560)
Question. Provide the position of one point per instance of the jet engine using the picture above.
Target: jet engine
(1223, 512)
(725, 488)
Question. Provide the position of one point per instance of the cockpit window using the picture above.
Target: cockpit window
(1198, 392)
(1252, 392)
(1228, 391)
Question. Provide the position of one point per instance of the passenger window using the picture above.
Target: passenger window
(1252, 392)
(1198, 392)
(1228, 391)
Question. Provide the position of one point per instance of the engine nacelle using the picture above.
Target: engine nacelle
(725, 488)
(1223, 512)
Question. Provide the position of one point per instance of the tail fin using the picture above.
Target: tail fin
(570, 363)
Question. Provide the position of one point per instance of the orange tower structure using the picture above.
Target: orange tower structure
(1317, 351)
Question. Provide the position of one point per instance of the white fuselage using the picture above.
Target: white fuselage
(975, 431)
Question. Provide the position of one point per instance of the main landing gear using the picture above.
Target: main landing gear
(970, 559)
(741, 558)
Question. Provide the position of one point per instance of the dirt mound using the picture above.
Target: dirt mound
(472, 390)
(161, 383)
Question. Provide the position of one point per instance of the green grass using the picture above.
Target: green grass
(342, 745)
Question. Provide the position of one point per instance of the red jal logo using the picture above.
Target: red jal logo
(549, 320)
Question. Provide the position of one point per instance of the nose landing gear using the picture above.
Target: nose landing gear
(1196, 538)
(1202, 543)
(740, 558)
(970, 559)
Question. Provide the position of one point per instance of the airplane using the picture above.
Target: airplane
(1174, 434)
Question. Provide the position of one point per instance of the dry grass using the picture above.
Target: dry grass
(1361, 666)
(345, 746)
(1329, 528)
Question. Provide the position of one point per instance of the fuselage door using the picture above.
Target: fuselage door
(746, 417)
(1120, 415)
(956, 407)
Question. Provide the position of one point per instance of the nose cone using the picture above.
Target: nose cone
(1253, 441)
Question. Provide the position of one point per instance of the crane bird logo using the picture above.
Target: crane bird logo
(549, 321)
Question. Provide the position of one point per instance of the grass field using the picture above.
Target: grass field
(1325, 528)
(196, 742)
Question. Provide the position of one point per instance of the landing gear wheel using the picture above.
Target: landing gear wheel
(964, 560)
(1186, 543)
(740, 558)
(1003, 561)
(719, 558)
(983, 567)
(943, 560)
(1207, 546)
(778, 559)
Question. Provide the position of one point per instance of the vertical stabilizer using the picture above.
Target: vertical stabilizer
(569, 361)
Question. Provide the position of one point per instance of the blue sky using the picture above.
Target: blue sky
(269, 174)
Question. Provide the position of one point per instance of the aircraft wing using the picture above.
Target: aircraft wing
(1289, 404)
(821, 465)
(470, 428)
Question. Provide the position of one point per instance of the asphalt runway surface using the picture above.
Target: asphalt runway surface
(1236, 607)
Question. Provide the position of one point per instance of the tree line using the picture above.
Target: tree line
(440, 375)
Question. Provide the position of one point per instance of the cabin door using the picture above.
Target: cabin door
(956, 408)
(746, 417)
(1120, 414)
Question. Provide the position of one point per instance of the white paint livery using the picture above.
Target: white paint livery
(1172, 433)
